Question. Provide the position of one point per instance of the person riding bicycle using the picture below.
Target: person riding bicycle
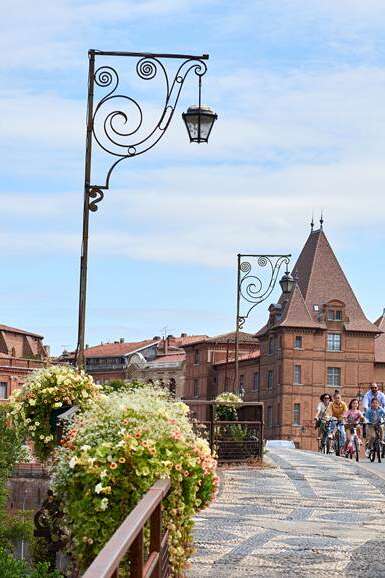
(352, 418)
(320, 422)
(373, 392)
(336, 409)
(374, 417)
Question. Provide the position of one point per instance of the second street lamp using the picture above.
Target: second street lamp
(107, 129)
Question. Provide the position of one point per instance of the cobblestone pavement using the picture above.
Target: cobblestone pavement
(307, 516)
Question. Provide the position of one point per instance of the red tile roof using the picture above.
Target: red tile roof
(181, 341)
(379, 343)
(172, 357)
(22, 331)
(116, 349)
(227, 338)
(319, 280)
(244, 357)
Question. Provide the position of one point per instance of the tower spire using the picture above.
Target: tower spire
(312, 222)
(321, 221)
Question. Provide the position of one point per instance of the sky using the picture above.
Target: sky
(299, 89)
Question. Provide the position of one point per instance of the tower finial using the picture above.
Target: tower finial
(312, 221)
(321, 221)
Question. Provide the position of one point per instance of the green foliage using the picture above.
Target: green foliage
(11, 568)
(114, 385)
(115, 452)
(10, 453)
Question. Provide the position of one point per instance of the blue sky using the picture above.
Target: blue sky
(299, 87)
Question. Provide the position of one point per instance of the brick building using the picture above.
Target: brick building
(209, 367)
(156, 359)
(316, 339)
(20, 353)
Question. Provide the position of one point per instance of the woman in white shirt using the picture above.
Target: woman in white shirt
(322, 406)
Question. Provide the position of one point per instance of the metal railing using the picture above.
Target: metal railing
(232, 441)
(128, 541)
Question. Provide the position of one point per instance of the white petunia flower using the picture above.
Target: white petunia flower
(98, 488)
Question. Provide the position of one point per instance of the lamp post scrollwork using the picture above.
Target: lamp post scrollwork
(256, 278)
(114, 126)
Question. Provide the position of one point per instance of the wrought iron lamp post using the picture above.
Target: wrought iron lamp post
(107, 128)
(254, 287)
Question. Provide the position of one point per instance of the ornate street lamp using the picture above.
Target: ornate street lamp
(108, 129)
(286, 282)
(255, 286)
(199, 121)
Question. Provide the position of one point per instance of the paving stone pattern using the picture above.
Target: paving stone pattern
(307, 516)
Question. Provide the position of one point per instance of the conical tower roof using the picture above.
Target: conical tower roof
(321, 280)
(379, 344)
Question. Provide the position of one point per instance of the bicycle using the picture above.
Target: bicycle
(336, 436)
(377, 447)
(325, 445)
(353, 446)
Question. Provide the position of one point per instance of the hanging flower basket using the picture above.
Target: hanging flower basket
(46, 394)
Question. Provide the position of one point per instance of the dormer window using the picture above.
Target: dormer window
(334, 315)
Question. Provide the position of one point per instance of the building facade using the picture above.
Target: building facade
(316, 339)
(158, 359)
(20, 353)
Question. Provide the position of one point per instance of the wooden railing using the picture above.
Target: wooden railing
(128, 541)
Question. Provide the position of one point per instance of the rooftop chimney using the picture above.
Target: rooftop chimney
(183, 334)
(121, 340)
(156, 338)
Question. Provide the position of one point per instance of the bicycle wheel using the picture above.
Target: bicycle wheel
(328, 445)
(383, 450)
(372, 455)
(337, 449)
(378, 451)
(357, 449)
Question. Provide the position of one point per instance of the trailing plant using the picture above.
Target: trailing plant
(113, 454)
(45, 394)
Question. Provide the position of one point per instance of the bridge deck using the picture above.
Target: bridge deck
(306, 516)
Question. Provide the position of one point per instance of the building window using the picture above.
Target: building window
(271, 345)
(297, 414)
(270, 380)
(334, 376)
(256, 381)
(298, 342)
(297, 374)
(334, 341)
(316, 307)
(196, 356)
(269, 416)
(3, 390)
(196, 388)
(334, 315)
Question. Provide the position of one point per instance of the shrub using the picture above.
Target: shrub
(45, 393)
(11, 568)
(10, 451)
(115, 452)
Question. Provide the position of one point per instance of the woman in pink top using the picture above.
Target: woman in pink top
(352, 417)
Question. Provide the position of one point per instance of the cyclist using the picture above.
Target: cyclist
(336, 409)
(374, 416)
(322, 406)
(370, 394)
(352, 417)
